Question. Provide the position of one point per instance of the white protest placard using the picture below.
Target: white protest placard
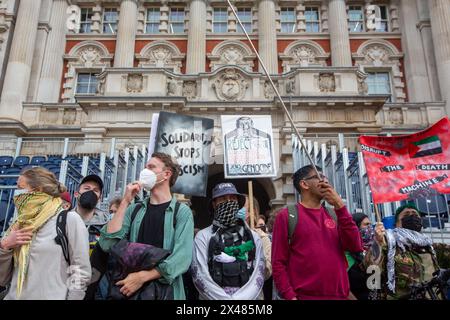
(248, 146)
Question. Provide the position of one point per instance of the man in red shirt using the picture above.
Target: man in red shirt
(312, 265)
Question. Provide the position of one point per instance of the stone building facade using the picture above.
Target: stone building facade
(99, 69)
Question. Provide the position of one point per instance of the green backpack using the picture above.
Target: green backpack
(293, 218)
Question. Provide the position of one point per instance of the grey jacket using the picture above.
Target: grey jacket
(49, 275)
(208, 288)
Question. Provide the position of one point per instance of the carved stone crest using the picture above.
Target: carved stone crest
(134, 83)
(304, 56)
(396, 116)
(90, 56)
(232, 55)
(190, 90)
(160, 56)
(230, 86)
(376, 55)
(327, 82)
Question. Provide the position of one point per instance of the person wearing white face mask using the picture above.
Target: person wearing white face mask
(160, 221)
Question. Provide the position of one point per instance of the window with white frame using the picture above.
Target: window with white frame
(245, 15)
(379, 83)
(86, 20)
(220, 20)
(287, 20)
(152, 20)
(312, 19)
(176, 20)
(110, 18)
(86, 83)
(383, 24)
(355, 19)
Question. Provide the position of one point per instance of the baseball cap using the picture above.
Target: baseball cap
(94, 178)
(66, 196)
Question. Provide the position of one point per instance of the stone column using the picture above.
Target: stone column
(267, 36)
(416, 71)
(18, 71)
(126, 34)
(338, 26)
(424, 27)
(196, 46)
(440, 28)
(52, 65)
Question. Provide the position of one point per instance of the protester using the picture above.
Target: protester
(161, 222)
(88, 196)
(67, 200)
(310, 263)
(261, 223)
(32, 263)
(114, 205)
(405, 255)
(357, 272)
(228, 260)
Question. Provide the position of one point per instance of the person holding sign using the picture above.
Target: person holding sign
(159, 221)
(228, 261)
(309, 242)
(405, 255)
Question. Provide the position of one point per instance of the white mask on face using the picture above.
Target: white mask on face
(18, 192)
(148, 179)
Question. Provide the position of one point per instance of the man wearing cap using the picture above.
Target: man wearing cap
(88, 195)
(404, 255)
(228, 260)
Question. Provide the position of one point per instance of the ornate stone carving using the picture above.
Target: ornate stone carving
(290, 86)
(172, 87)
(396, 116)
(73, 18)
(231, 52)
(376, 55)
(69, 117)
(327, 82)
(160, 56)
(230, 86)
(90, 56)
(232, 55)
(269, 93)
(101, 84)
(190, 90)
(135, 83)
(304, 56)
(363, 88)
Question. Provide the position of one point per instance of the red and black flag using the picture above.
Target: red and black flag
(409, 166)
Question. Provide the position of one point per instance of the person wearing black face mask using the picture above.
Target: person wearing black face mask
(88, 196)
(405, 255)
(228, 260)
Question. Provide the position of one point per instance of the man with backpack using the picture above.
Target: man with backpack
(160, 221)
(228, 261)
(309, 242)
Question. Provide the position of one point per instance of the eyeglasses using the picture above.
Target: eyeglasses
(322, 177)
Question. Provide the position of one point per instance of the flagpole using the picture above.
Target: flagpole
(274, 88)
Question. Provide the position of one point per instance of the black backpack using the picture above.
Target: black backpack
(234, 274)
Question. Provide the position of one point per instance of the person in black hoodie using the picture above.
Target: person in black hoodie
(356, 271)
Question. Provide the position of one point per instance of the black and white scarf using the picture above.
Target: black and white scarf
(404, 239)
(225, 214)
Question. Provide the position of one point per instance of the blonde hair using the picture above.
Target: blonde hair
(41, 179)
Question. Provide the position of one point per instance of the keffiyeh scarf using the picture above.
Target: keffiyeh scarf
(403, 239)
